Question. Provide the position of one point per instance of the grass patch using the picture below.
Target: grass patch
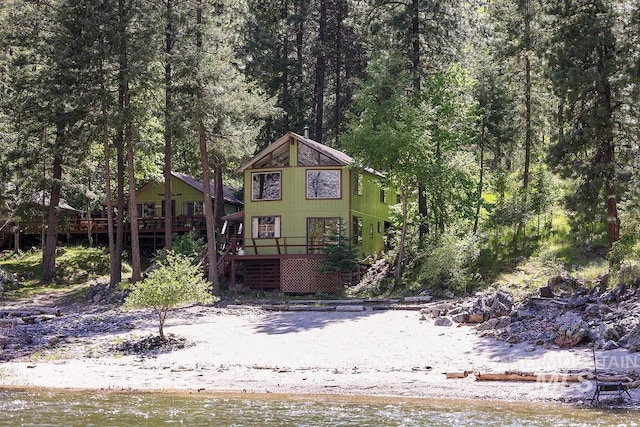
(75, 267)
(50, 355)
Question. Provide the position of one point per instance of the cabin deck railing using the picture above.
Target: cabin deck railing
(100, 225)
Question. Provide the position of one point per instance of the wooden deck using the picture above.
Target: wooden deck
(150, 229)
(285, 264)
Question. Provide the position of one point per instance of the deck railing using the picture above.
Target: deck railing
(100, 225)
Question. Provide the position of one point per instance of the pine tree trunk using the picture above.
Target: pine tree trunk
(480, 185)
(168, 128)
(320, 70)
(136, 273)
(51, 240)
(218, 208)
(120, 223)
(403, 237)
(212, 260)
(114, 260)
(338, 76)
(286, 96)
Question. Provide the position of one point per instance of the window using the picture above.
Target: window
(265, 186)
(357, 230)
(319, 233)
(146, 210)
(277, 158)
(193, 208)
(383, 196)
(323, 184)
(357, 183)
(308, 156)
(265, 227)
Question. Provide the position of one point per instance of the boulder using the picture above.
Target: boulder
(495, 323)
(502, 305)
(570, 330)
(631, 340)
(614, 295)
(477, 315)
(443, 321)
(460, 317)
(596, 310)
(522, 313)
(546, 292)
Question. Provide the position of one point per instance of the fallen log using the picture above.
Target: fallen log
(30, 312)
(463, 374)
(531, 377)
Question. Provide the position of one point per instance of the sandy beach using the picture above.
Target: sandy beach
(377, 353)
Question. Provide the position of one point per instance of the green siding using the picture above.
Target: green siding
(181, 191)
(294, 208)
(373, 212)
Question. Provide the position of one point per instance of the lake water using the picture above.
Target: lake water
(74, 408)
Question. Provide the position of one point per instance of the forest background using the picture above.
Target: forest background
(510, 127)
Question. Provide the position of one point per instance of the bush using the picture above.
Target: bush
(176, 281)
(451, 264)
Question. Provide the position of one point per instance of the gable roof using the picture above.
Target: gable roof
(336, 155)
(227, 192)
(332, 153)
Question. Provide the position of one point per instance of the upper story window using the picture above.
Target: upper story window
(357, 183)
(266, 186)
(383, 196)
(307, 156)
(323, 184)
(276, 158)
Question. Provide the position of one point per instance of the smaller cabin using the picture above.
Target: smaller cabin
(186, 198)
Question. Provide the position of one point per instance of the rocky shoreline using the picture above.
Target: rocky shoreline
(566, 314)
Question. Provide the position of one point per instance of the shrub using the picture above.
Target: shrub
(451, 264)
(176, 281)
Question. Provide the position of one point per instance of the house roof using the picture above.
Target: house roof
(42, 198)
(228, 192)
(336, 155)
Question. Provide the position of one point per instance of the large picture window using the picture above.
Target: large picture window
(323, 184)
(319, 233)
(265, 227)
(265, 186)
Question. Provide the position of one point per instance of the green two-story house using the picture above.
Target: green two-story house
(297, 192)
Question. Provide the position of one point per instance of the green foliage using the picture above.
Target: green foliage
(340, 255)
(76, 264)
(189, 245)
(176, 281)
(451, 263)
(445, 165)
